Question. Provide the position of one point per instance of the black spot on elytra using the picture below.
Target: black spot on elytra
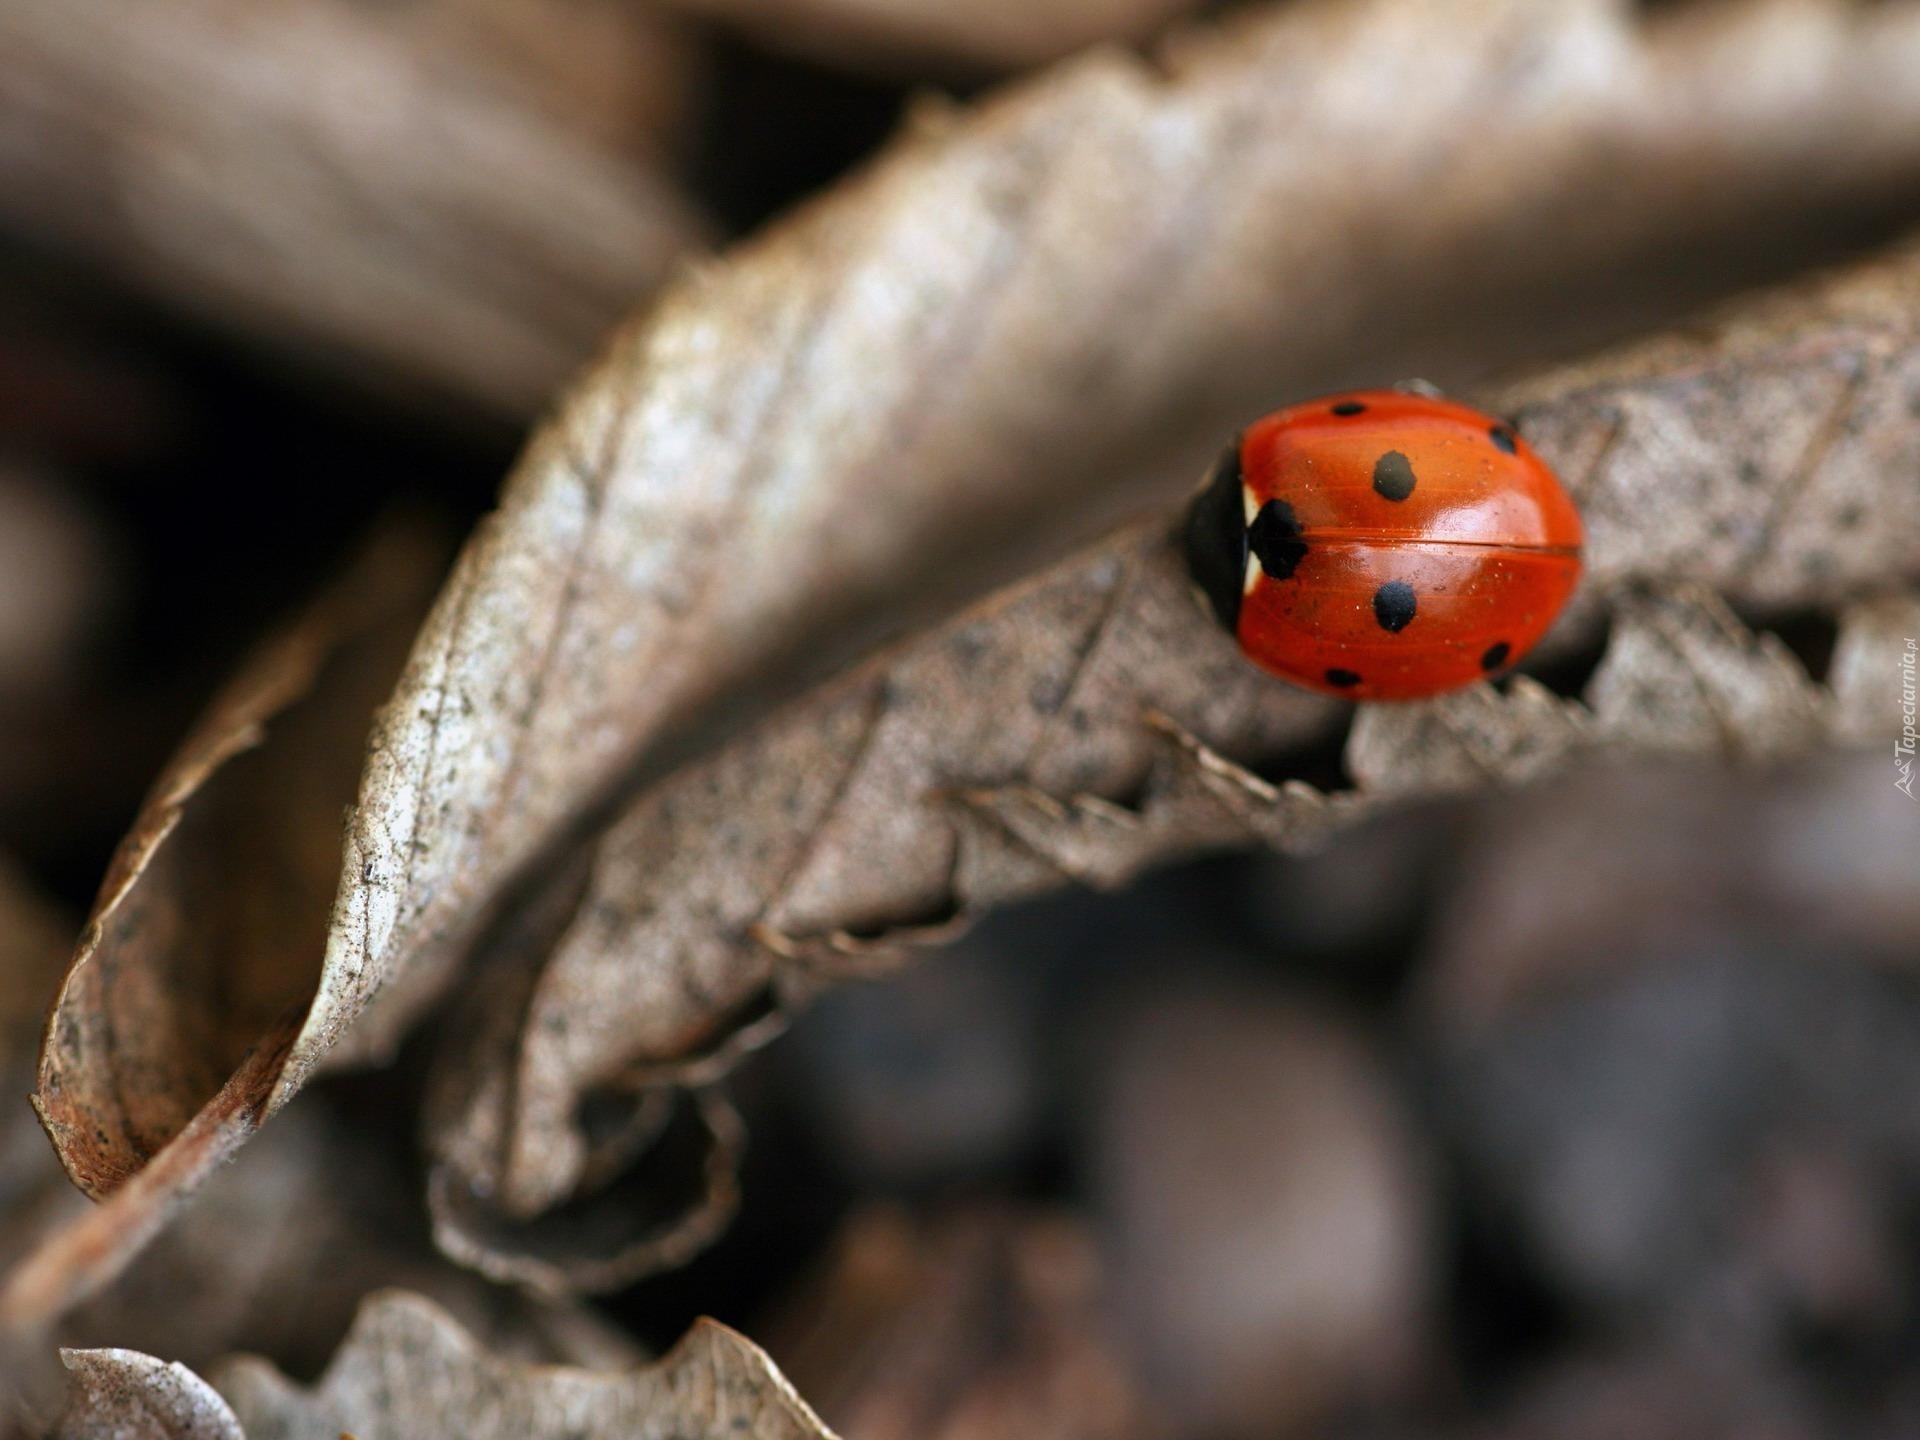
(1502, 438)
(1349, 407)
(1215, 538)
(1393, 605)
(1393, 476)
(1275, 538)
(1496, 656)
(1345, 679)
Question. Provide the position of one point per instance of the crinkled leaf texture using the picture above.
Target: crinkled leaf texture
(1094, 720)
(991, 323)
(220, 882)
(193, 973)
(407, 1372)
(987, 323)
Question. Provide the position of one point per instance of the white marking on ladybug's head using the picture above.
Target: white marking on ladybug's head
(1250, 503)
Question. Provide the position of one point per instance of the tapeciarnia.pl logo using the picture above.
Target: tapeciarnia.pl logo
(1903, 747)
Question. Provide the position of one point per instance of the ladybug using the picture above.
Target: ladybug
(1383, 545)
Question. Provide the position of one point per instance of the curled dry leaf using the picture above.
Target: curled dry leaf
(282, 1247)
(277, 1252)
(407, 1370)
(195, 969)
(663, 1187)
(959, 337)
(842, 405)
(402, 189)
(1094, 720)
(910, 35)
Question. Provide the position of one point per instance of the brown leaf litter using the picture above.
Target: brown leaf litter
(1093, 720)
(768, 452)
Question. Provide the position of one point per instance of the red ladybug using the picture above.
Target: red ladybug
(1383, 546)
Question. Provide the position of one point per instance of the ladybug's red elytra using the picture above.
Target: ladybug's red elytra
(1383, 545)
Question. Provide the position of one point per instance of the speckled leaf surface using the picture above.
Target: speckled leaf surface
(189, 980)
(124, 1395)
(1094, 720)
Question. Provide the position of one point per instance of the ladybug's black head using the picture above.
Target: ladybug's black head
(1215, 537)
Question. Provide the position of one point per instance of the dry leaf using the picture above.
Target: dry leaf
(769, 451)
(663, 1188)
(395, 188)
(276, 1252)
(1095, 720)
(407, 1372)
(194, 970)
(280, 1248)
(124, 1395)
(913, 368)
(231, 843)
(908, 36)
